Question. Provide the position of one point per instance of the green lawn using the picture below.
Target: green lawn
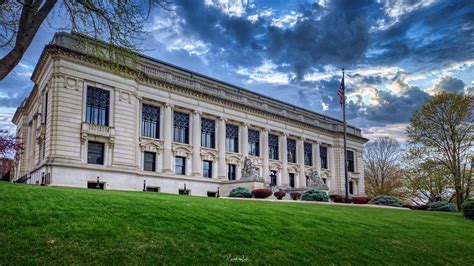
(41, 225)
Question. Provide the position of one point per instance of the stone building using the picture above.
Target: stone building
(147, 121)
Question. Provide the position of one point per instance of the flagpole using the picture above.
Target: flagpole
(346, 181)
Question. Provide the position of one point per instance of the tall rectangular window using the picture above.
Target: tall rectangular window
(291, 148)
(291, 178)
(323, 154)
(273, 178)
(149, 161)
(254, 142)
(95, 152)
(208, 133)
(180, 165)
(207, 169)
(150, 121)
(273, 144)
(350, 161)
(308, 154)
(231, 171)
(97, 106)
(232, 138)
(351, 187)
(181, 127)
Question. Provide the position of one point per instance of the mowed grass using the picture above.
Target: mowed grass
(42, 225)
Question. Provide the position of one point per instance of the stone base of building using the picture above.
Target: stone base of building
(129, 180)
(227, 186)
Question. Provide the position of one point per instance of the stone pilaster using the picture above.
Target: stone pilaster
(244, 139)
(316, 157)
(284, 159)
(300, 159)
(221, 165)
(265, 155)
(167, 139)
(196, 161)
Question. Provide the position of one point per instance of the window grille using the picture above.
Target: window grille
(97, 106)
(150, 121)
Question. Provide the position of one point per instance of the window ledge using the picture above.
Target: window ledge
(97, 130)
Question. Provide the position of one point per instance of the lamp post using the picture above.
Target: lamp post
(185, 191)
(144, 185)
(218, 192)
(97, 186)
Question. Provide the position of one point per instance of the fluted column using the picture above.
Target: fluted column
(316, 157)
(266, 161)
(284, 159)
(335, 181)
(300, 158)
(168, 139)
(196, 165)
(244, 139)
(221, 167)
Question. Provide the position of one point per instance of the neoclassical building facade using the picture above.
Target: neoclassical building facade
(150, 124)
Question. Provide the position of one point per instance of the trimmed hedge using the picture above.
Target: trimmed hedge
(315, 195)
(442, 206)
(261, 193)
(279, 194)
(240, 192)
(337, 198)
(295, 195)
(423, 207)
(360, 200)
(468, 209)
(386, 201)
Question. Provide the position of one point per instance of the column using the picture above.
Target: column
(284, 159)
(244, 140)
(221, 165)
(167, 139)
(196, 136)
(316, 157)
(266, 161)
(335, 182)
(301, 181)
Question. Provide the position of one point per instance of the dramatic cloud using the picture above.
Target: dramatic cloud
(396, 53)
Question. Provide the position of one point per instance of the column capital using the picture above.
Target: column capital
(266, 129)
(169, 105)
(221, 118)
(196, 112)
(284, 134)
(244, 124)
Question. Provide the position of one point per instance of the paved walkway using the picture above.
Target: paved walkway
(319, 202)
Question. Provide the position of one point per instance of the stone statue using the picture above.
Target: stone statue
(315, 181)
(249, 171)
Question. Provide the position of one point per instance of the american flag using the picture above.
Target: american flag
(341, 92)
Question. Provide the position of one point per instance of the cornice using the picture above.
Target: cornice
(153, 72)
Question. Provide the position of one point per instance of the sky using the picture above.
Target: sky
(397, 54)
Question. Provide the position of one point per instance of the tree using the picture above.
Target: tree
(117, 22)
(443, 129)
(382, 170)
(9, 145)
(425, 180)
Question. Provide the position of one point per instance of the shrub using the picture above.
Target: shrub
(295, 195)
(279, 194)
(442, 206)
(468, 209)
(423, 207)
(240, 192)
(408, 206)
(386, 201)
(314, 195)
(337, 198)
(360, 200)
(262, 193)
